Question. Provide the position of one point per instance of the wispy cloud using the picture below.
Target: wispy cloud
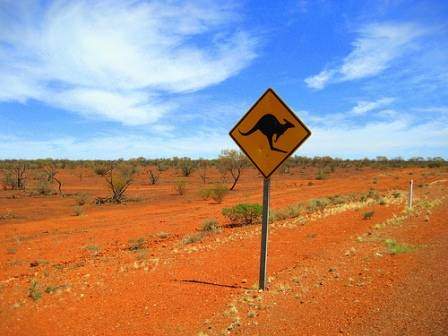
(364, 106)
(118, 59)
(374, 50)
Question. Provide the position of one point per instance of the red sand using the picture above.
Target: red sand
(323, 280)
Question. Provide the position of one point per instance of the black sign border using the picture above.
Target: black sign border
(291, 152)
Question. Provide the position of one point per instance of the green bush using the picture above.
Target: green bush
(243, 214)
(180, 186)
(368, 214)
(216, 193)
(395, 248)
(43, 186)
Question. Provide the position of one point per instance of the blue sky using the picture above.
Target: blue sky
(111, 79)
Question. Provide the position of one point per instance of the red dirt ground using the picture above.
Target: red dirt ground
(330, 274)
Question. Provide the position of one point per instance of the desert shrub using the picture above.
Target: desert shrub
(203, 166)
(321, 174)
(34, 292)
(162, 166)
(186, 166)
(43, 186)
(243, 214)
(216, 193)
(395, 248)
(318, 204)
(8, 181)
(210, 225)
(373, 194)
(15, 175)
(193, 238)
(118, 177)
(368, 214)
(162, 235)
(180, 186)
(81, 199)
(78, 210)
(338, 199)
(153, 176)
(136, 244)
(291, 211)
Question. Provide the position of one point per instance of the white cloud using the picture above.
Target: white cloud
(117, 59)
(320, 80)
(364, 106)
(376, 47)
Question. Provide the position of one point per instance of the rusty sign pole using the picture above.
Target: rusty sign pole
(264, 234)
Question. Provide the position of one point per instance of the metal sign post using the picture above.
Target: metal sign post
(268, 134)
(264, 234)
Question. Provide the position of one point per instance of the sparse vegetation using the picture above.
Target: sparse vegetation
(50, 170)
(232, 161)
(136, 244)
(180, 185)
(186, 166)
(78, 210)
(395, 248)
(8, 215)
(14, 175)
(43, 186)
(81, 199)
(216, 193)
(192, 238)
(210, 226)
(368, 214)
(321, 174)
(153, 176)
(243, 214)
(163, 235)
(291, 211)
(34, 291)
(118, 177)
(203, 167)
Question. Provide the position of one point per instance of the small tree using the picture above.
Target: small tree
(15, 176)
(118, 178)
(232, 161)
(153, 176)
(203, 165)
(50, 170)
(186, 166)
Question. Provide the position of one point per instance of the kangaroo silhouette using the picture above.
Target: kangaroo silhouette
(270, 126)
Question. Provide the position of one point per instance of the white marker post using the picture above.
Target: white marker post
(411, 187)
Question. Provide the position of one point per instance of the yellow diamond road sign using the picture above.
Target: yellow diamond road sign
(269, 133)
